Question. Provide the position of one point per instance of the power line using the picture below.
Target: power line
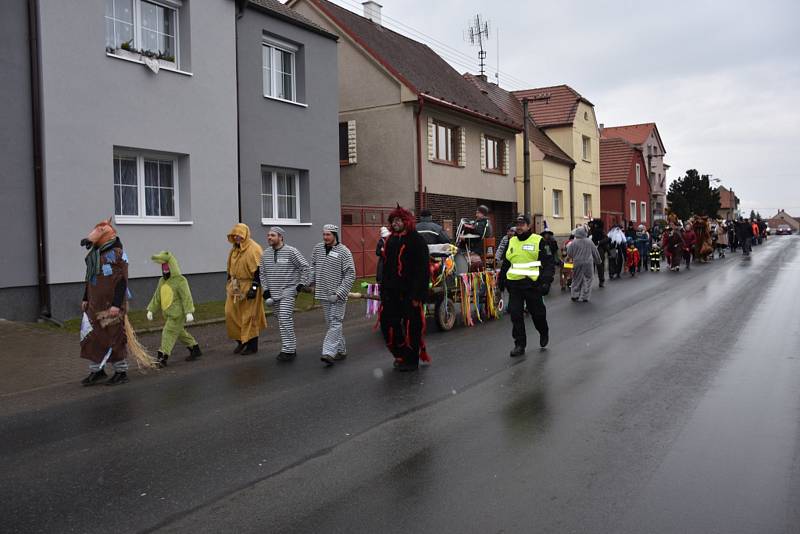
(446, 51)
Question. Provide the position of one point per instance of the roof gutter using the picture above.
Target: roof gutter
(45, 311)
(446, 104)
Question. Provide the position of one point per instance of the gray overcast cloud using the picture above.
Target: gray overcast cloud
(719, 78)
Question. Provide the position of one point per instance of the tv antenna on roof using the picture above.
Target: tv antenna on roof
(475, 35)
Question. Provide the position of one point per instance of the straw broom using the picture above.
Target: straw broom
(138, 352)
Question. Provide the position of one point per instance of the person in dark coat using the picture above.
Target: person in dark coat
(601, 241)
(385, 233)
(744, 233)
(432, 232)
(689, 242)
(404, 289)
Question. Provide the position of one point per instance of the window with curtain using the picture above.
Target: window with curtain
(280, 195)
(278, 62)
(145, 186)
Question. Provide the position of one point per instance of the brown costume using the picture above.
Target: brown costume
(244, 318)
(106, 287)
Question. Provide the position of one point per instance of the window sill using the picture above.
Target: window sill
(558, 216)
(292, 102)
(492, 171)
(140, 62)
(446, 163)
(586, 160)
(149, 222)
(280, 222)
(345, 163)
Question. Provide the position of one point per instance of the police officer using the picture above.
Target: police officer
(527, 272)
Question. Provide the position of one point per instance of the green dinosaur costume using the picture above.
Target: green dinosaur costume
(174, 299)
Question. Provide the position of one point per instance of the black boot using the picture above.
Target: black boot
(251, 347)
(94, 377)
(340, 356)
(327, 360)
(120, 377)
(544, 337)
(239, 347)
(518, 350)
(161, 360)
(194, 353)
(286, 356)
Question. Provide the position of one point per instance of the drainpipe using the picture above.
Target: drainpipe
(571, 199)
(526, 161)
(420, 192)
(241, 5)
(45, 311)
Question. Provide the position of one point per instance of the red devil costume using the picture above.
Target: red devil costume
(404, 288)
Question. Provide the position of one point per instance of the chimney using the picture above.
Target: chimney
(601, 127)
(372, 11)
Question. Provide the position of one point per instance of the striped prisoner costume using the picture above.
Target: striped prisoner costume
(333, 274)
(281, 271)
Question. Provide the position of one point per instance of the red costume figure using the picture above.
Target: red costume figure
(404, 288)
(632, 259)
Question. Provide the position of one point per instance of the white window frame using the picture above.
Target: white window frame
(271, 45)
(558, 195)
(500, 144)
(174, 5)
(140, 157)
(633, 211)
(450, 143)
(586, 142)
(643, 212)
(274, 172)
(638, 174)
(587, 205)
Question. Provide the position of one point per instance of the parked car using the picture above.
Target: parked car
(783, 229)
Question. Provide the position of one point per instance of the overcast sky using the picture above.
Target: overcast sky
(720, 78)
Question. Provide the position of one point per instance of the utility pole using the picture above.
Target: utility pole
(526, 163)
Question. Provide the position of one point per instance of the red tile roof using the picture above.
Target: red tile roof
(616, 157)
(635, 134)
(552, 106)
(415, 65)
(513, 108)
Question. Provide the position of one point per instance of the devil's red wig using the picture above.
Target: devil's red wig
(405, 215)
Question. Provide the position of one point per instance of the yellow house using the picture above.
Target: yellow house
(564, 196)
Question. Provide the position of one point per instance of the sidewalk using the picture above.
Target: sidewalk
(35, 357)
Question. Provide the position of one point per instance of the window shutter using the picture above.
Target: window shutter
(352, 152)
(483, 152)
(506, 157)
(431, 147)
(462, 152)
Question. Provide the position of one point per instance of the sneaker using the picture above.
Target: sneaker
(118, 378)
(161, 359)
(327, 360)
(518, 350)
(286, 356)
(194, 353)
(340, 356)
(94, 377)
(544, 338)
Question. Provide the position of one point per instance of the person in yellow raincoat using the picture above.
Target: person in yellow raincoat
(244, 306)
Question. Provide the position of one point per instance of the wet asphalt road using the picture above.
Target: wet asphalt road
(669, 404)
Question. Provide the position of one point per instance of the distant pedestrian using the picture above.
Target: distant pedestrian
(689, 243)
(673, 248)
(601, 241)
(642, 243)
(384, 234)
(431, 232)
(632, 258)
(333, 274)
(722, 238)
(616, 251)
(284, 273)
(503, 246)
(655, 258)
(585, 256)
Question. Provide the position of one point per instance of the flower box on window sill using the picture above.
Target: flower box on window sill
(138, 57)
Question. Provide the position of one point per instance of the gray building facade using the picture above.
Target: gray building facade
(288, 124)
(153, 113)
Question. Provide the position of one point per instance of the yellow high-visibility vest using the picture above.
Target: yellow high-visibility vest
(524, 258)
